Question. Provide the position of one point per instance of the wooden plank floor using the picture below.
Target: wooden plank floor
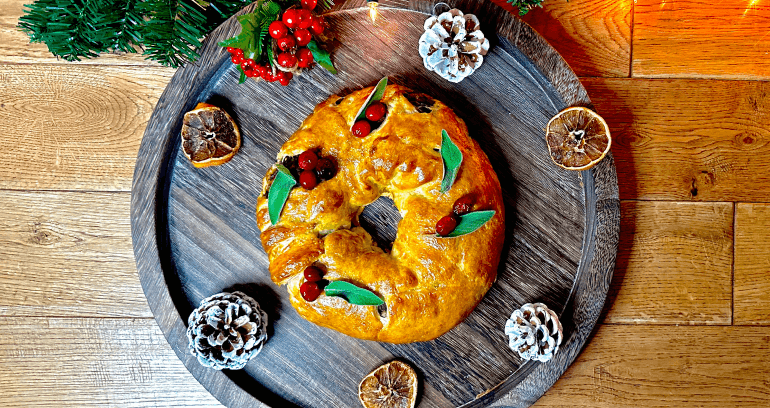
(683, 85)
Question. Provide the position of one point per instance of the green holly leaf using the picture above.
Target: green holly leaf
(353, 294)
(253, 38)
(321, 56)
(376, 95)
(452, 158)
(470, 222)
(279, 193)
(242, 78)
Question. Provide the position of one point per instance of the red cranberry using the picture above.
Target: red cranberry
(309, 4)
(302, 36)
(317, 26)
(284, 43)
(307, 180)
(248, 65)
(325, 169)
(310, 291)
(236, 59)
(251, 73)
(446, 225)
(304, 57)
(463, 205)
(376, 111)
(284, 81)
(231, 50)
(238, 52)
(286, 60)
(277, 29)
(304, 18)
(261, 70)
(308, 160)
(361, 128)
(313, 274)
(290, 18)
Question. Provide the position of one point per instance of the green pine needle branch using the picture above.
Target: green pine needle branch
(525, 5)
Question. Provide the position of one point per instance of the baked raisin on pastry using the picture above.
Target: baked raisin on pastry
(429, 283)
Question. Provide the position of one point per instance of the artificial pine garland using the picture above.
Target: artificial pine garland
(169, 31)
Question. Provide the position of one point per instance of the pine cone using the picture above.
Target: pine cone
(227, 330)
(453, 45)
(534, 332)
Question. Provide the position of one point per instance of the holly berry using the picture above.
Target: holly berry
(304, 57)
(361, 128)
(304, 18)
(248, 65)
(236, 59)
(309, 4)
(302, 36)
(277, 29)
(310, 291)
(290, 18)
(286, 60)
(231, 50)
(261, 70)
(463, 205)
(325, 169)
(316, 25)
(307, 180)
(446, 225)
(284, 43)
(251, 73)
(238, 52)
(376, 111)
(313, 274)
(308, 160)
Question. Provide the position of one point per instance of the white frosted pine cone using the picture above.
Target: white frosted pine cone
(453, 45)
(534, 331)
(227, 330)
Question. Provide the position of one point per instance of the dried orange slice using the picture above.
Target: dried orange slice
(577, 138)
(209, 136)
(391, 385)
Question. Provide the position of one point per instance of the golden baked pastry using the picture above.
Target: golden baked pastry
(429, 283)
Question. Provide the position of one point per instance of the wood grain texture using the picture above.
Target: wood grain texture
(668, 366)
(74, 127)
(752, 264)
(67, 254)
(698, 38)
(16, 48)
(687, 139)
(674, 264)
(196, 243)
(593, 36)
(92, 363)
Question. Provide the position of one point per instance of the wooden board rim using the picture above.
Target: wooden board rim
(524, 386)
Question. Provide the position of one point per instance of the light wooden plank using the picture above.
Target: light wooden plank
(668, 366)
(674, 264)
(74, 127)
(61, 362)
(752, 264)
(700, 38)
(16, 48)
(68, 254)
(687, 139)
(593, 36)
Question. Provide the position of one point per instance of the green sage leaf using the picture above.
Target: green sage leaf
(321, 56)
(376, 95)
(470, 222)
(353, 294)
(452, 158)
(279, 193)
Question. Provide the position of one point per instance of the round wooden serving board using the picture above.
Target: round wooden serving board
(195, 233)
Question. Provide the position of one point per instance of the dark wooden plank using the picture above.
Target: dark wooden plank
(565, 260)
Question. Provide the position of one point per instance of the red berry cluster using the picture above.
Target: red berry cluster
(447, 224)
(310, 169)
(252, 69)
(375, 114)
(293, 32)
(313, 285)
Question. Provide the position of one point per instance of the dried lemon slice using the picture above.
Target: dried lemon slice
(209, 136)
(577, 138)
(391, 385)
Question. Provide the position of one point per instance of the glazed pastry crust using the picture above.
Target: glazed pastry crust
(429, 284)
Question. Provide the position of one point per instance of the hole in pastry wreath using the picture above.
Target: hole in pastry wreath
(429, 283)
